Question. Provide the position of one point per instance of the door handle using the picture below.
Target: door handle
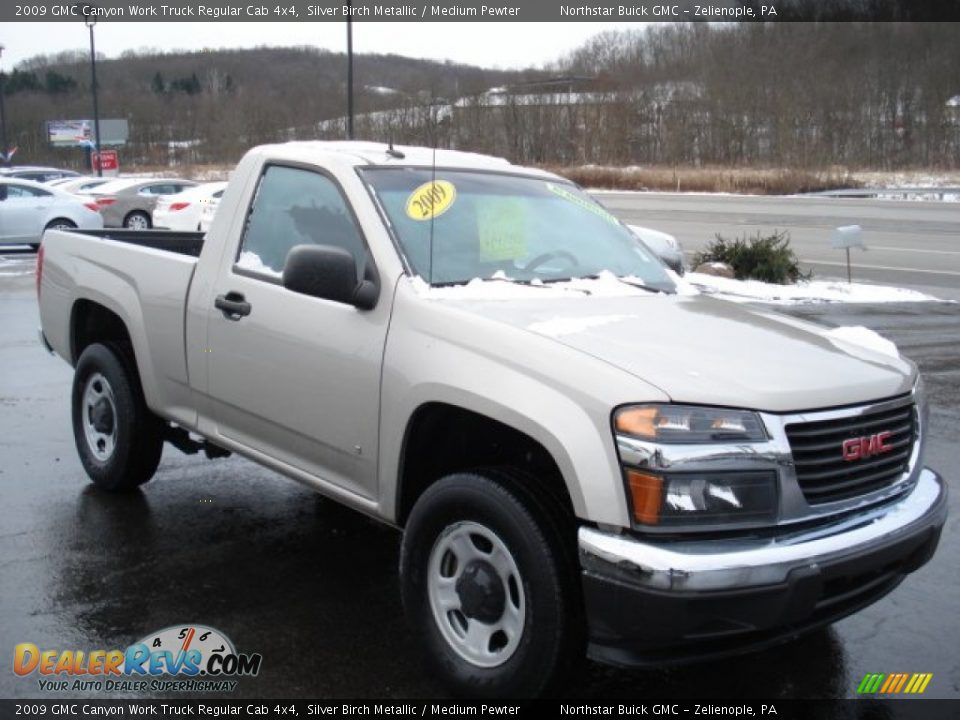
(233, 305)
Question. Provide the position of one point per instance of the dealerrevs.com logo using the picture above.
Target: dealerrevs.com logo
(180, 658)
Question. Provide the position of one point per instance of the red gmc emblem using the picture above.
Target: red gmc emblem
(862, 448)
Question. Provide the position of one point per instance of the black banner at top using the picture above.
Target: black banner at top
(482, 11)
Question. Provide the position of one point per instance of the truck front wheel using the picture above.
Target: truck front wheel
(490, 587)
(118, 439)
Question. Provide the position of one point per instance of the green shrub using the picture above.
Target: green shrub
(769, 258)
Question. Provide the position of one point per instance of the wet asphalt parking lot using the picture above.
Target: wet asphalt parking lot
(313, 587)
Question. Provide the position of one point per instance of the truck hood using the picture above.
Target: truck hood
(698, 349)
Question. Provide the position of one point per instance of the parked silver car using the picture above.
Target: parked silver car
(82, 185)
(130, 202)
(28, 208)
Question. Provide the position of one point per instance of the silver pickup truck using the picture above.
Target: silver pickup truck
(583, 454)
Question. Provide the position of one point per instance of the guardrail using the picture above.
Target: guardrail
(906, 192)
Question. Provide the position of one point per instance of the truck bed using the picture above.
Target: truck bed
(143, 277)
(183, 243)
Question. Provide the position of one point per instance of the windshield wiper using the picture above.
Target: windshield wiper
(619, 278)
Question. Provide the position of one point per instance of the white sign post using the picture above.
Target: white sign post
(846, 237)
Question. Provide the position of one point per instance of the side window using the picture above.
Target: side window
(165, 189)
(296, 207)
(22, 191)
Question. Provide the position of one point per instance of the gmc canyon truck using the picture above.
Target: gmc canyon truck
(583, 454)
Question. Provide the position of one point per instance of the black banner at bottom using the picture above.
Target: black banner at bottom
(867, 709)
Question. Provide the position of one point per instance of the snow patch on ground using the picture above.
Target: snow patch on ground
(864, 337)
(558, 326)
(814, 291)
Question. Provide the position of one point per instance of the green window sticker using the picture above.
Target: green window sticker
(502, 229)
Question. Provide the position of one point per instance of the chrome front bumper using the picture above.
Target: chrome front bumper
(714, 565)
(655, 601)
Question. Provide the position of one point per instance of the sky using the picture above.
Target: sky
(488, 44)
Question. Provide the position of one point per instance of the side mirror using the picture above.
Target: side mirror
(329, 273)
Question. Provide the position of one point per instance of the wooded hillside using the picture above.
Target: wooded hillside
(799, 95)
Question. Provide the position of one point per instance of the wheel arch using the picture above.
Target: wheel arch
(441, 438)
(92, 322)
(50, 223)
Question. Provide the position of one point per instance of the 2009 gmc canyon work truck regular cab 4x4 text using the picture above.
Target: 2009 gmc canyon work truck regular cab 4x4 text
(582, 453)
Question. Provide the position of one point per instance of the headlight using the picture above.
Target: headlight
(689, 424)
(722, 498)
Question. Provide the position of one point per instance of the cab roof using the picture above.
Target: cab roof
(361, 153)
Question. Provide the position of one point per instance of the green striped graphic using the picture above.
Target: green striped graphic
(870, 683)
(894, 684)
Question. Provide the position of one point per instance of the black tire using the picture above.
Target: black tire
(137, 217)
(130, 445)
(540, 537)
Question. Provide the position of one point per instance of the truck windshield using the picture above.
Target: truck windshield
(526, 229)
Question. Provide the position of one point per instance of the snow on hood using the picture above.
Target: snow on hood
(698, 349)
(501, 287)
(863, 337)
(557, 326)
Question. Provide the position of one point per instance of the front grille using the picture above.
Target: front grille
(823, 473)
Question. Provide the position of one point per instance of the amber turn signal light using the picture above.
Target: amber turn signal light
(646, 495)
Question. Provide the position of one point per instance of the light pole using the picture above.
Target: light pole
(350, 69)
(90, 21)
(3, 117)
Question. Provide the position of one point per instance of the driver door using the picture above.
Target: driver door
(297, 378)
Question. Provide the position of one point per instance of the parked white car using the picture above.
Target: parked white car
(28, 208)
(208, 211)
(183, 210)
(666, 246)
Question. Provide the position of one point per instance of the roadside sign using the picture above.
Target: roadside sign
(846, 237)
(110, 160)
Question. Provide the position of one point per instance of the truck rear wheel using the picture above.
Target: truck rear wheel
(118, 439)
(490, 587)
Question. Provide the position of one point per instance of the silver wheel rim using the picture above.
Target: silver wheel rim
(462, 550)
(61, 226)
(97, 401)
(137, 222)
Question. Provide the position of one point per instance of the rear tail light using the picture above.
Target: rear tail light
(39, 268)
(104, 201)
(91, 206)
(179, 205)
